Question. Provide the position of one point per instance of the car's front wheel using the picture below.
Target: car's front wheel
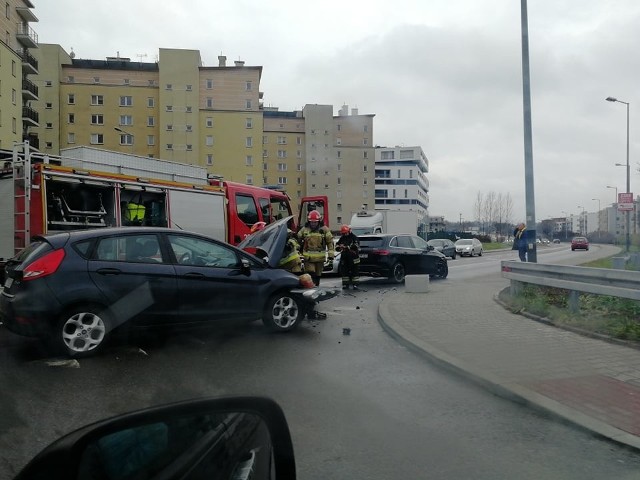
(480, 254)
(442, 269)
(283, 312)
(453, 257)
(397, 273)
(81, 331)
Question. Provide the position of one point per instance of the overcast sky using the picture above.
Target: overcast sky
(442, 74)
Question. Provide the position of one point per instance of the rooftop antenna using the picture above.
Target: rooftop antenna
(141, 56)
(72, 54)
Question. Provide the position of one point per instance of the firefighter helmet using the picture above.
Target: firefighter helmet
(314, 216)
(344, 229)
(258, 226)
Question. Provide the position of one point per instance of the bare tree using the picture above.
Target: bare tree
(508, 209)
(478, 207)
(489, 211)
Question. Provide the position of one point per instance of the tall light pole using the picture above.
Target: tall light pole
(616, 189)
(599, 219)
(565, 224)
(532, 255)
(628, 229)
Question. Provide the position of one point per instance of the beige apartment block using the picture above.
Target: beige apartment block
(18, 91)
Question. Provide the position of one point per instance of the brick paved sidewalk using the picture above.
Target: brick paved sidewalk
(590, 382)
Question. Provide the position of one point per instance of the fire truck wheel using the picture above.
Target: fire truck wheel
(283, 312)
(81, 331)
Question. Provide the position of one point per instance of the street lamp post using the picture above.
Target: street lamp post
(628, 222)
(565, 224)
(616, 189)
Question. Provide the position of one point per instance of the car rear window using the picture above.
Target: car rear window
(32, 251)
(83, 247)
(371, 242)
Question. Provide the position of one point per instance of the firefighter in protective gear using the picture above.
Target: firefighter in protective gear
(349, 249)
(317, 243)
(256, 227)
(291, 260)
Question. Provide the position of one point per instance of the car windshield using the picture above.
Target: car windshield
(398, 301)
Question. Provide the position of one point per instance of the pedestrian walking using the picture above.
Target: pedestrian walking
(349, 249)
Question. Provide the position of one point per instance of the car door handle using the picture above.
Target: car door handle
(193, 275)
(109, 271)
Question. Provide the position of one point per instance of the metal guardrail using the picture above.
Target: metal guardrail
(599, 281)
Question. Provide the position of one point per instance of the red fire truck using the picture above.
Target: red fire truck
(92, 188)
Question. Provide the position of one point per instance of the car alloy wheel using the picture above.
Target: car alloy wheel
(397, 273)
(82, 330)
(283, 312)
(442, 269)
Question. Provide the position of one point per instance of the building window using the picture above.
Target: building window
(7, 9)
(299, 167)
(126, 81)
(48, 145)
(71, 99)
(365, 154)
(48, 105)
(339, 207)
(169, 87)
(14, 96)
(70, 79)
(151, 140)
(339, 166)
(249, 142)
(282, 180)
(299, 154)
(126, 120)
(126, 139)
(97, 119)
(151, 121)
(169, 127)
(48, 83)
(248, 86)
(282, 140)
(365, 141)
(209, 122)
(247, 104)
(338, 141)
(365, 181)
(365, 168)
(189, 147)
(96, 79)
(299, 181)
(339, 179)
(339, 154)
(189, 109)
(189, 128)
(71, 118)
(264, 153)
(249, 179)
(169, 146)
(152, 83)
(14, 125)
(339, 127)
(209, 102)
(71, 138)
(298, 140)
(97, 100)
(209, 84)
(282, 167)
(248, 161)
(365, 128)
(248, 123)
(126, 101)
(189, 88)
(151, 102)
(282, 154)
(97, 139)
(169, 108)
(209, 159)
(208, 141)
(13, 67)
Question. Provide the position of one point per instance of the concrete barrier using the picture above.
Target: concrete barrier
(618, 263)
(416, 283)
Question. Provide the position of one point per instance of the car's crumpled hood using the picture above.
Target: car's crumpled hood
(271, 240)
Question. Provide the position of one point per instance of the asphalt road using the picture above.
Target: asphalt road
(360, 406)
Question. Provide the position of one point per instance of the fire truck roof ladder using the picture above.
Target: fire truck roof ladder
(22, 194)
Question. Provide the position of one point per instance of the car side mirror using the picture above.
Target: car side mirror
(245, 266)
(237, 437)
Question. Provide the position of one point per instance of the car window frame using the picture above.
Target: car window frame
(125, 235)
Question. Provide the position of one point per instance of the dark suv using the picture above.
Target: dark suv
(394, 256)
(75, 288)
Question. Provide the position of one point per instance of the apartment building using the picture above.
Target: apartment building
(18, 91)
(401, 181)
(175, 109)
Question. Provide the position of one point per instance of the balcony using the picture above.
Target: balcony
(26, 13)
(29, 90)
(29, 62)
(33, 141)
(27, 37)
(30, 117)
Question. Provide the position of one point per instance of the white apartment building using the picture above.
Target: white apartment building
(401, 181)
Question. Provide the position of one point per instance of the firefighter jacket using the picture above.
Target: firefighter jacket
(316, 243)
(348, 242)
(291, 259)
